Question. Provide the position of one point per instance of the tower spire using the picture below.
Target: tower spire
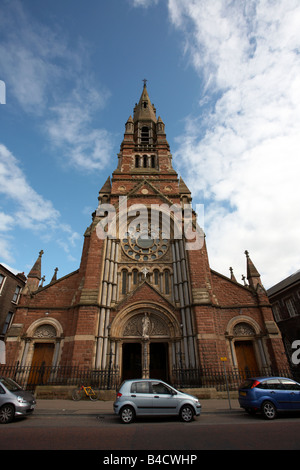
(35, 271)
(253, 275)
(144, 110)
(34, 275)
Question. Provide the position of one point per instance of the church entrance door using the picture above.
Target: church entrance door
(159, 361)
(132, 361)
(42, 359)
(246, 359)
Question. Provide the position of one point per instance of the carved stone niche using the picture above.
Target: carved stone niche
(145, 326)
(243, 329)
(45, 332)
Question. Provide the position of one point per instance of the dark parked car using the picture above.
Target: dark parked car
(14, 401)
(269, 395)
(149, 397)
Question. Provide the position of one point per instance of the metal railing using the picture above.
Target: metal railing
(223, 378)
(31, 376)
(109, 379)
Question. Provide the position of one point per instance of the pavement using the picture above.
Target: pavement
(86, 406)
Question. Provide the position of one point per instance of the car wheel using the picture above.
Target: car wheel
(127, 414)
(269, 410)
(186, 414)
(7, 413)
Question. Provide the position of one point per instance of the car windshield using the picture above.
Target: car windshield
(10, 384)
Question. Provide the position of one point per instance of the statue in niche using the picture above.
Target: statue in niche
(146, 326)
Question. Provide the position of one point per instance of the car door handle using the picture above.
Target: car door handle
(156, 396)
(133, 395)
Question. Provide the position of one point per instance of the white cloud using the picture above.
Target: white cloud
(144, 3)
(70, 129)
(31, 209)
(31, 55)
(241, 154)
(41, 71)
(28, 209)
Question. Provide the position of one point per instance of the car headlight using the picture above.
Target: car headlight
(21, 400)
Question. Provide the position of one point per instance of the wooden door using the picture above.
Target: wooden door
(41, 363)
(246, 359)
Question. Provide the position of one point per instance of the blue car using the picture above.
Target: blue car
(269, 395)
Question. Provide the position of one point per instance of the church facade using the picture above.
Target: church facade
(144, 298)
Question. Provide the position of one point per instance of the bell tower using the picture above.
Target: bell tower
(144, 150)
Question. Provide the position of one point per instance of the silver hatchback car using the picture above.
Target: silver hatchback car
(14, 401)
(150, 397)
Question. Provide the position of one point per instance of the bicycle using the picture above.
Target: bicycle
(79, 393)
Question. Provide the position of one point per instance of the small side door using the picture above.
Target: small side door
(142, 397)
(164, 400)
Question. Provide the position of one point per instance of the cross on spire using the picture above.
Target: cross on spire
(145, 81)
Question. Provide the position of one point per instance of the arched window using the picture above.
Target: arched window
(145, 158)
(135, 276)
(137, 161)
(156, 276)
(152, 161)
(167, 282)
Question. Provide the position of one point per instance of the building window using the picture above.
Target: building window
(167, 283)
(7, 322)
(135, 276)
(16, 294)
(2, 281)
(291, 307)
(137, 161)
(124, 281)
(152, 161)
(145, 158)
(276, 312)
(145, 135)
(156, 275)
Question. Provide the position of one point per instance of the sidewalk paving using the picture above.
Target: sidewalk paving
(86, 406)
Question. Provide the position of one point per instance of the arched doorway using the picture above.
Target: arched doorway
(41, 351)
(245, 348)
(146, 342)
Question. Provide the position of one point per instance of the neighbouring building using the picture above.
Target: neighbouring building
(144, 299)
(11, 286)
(285, 300)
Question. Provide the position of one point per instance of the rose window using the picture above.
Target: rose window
(145, 245)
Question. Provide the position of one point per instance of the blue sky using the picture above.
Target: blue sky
(225, 78)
